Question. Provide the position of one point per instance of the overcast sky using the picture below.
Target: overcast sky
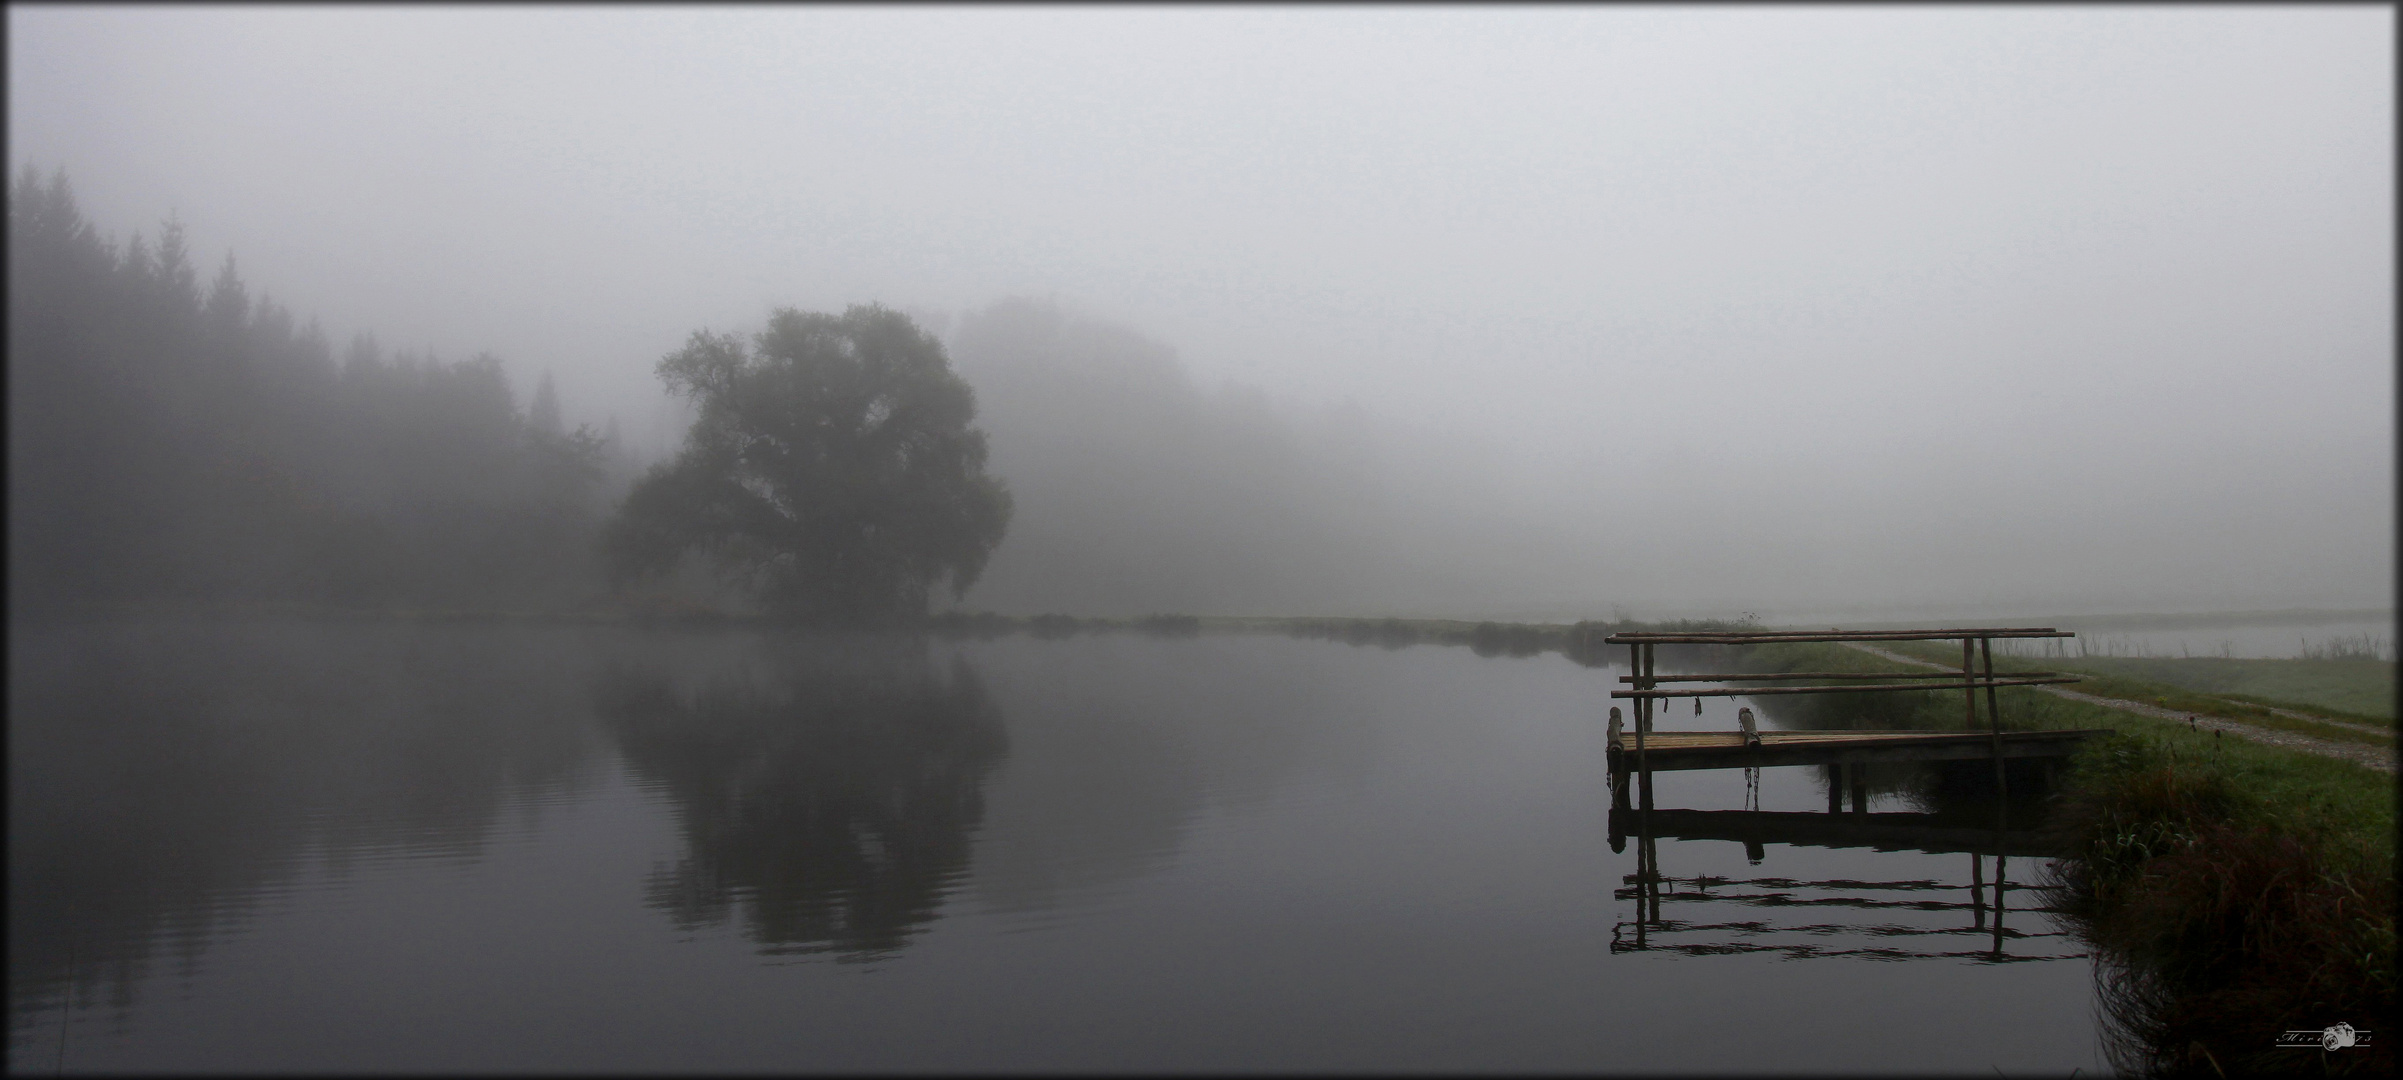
(2094, 304)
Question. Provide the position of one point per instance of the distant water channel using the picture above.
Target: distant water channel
(345, 846)
(2366, 637)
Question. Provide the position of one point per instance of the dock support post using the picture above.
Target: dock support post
(1977, 888)
(1650, 706)
(2002, 825)
(1647, 877)
(1969, 678)
(1998, 903)
(1639, 659)
(1835, 788)
(1618, 760)
(2002, 787)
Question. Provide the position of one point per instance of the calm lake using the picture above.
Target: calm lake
(326, 846)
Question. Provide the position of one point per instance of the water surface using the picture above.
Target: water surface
(347, 846)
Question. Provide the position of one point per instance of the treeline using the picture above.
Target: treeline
(1583, 642)
(171, 443)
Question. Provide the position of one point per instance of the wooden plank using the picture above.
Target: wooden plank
(1757, 691)
(1759, 637)
(1681, 751)
(1821, 675)
(1688, 740)
(1879, 734)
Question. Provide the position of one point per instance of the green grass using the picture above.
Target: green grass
(2347, 689)
(2107, 679)
(2231, 891)
(2280, 785)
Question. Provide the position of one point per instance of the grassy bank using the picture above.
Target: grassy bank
(2361, 690)
(2232, 892)
(2187, 686)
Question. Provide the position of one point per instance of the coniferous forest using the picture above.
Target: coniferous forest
(174, 443)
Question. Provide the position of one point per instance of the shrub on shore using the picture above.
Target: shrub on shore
(2219, 920)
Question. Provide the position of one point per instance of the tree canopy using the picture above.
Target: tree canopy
(834, 470)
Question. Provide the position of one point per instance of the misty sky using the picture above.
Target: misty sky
(2040, 309)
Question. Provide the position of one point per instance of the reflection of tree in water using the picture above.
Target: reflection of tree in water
(835, 795)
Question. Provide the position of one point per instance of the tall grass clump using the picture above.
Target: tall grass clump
(2350, 647)
(2223, 914)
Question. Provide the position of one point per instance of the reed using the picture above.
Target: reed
(2350, 647)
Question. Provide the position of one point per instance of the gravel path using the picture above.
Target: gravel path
(2382, 760)
(2367, 729)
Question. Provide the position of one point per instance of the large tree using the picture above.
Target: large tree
(834, 470)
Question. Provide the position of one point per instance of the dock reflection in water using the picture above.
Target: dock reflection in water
(1911, 912)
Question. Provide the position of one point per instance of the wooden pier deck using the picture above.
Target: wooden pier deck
(1673, 751)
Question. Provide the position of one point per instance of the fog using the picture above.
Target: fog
(1545, 313)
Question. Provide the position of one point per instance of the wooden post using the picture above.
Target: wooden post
(1647, 877)
(1651, 706)
(2002, 787)
(1969, 678)
(1652, 876)
(1998, 903)
(2002, 829)
(1618, 776)
(1835, 789)
(1643, 719)
(1977, 888)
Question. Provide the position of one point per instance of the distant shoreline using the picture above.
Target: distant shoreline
(621, 613)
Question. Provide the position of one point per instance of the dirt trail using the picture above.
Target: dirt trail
(2381, 759)
(2367, 729)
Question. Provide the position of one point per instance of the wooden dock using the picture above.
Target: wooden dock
(1636, 751)
(1674, 751)
(1647, 751)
